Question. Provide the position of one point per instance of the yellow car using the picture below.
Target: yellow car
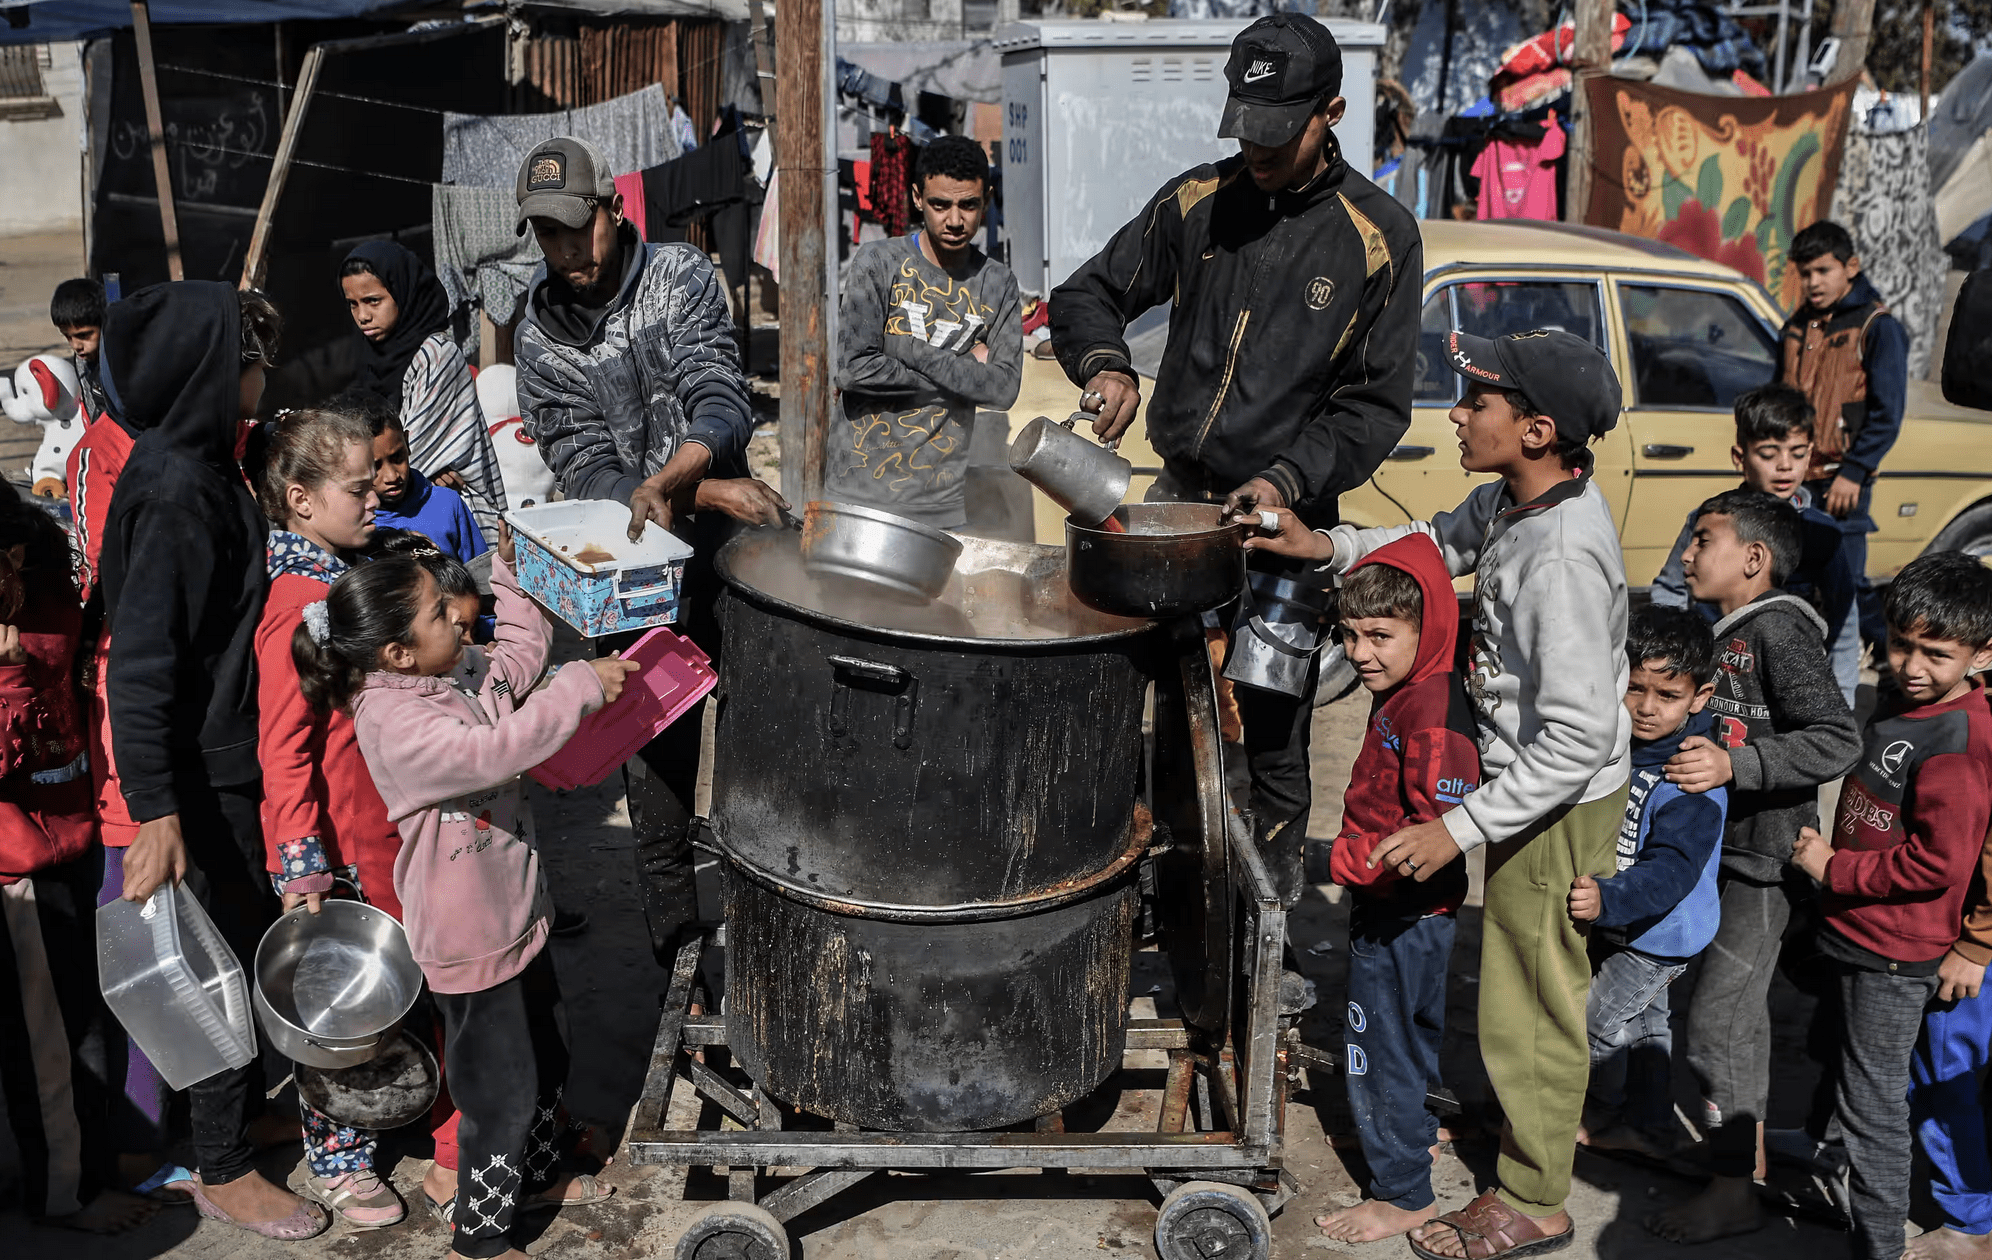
(1686, 337)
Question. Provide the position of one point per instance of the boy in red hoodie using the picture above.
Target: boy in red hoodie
(1906, 842)
(1419, 758)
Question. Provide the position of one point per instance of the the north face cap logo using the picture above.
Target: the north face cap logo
(549, 171)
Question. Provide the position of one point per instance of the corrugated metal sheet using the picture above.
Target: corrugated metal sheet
(568, 64)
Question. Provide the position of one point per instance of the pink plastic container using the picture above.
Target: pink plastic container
(676, 675)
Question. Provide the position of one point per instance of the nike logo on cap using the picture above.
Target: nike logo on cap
(1260, 70)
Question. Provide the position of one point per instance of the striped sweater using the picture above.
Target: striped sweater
(446, 429)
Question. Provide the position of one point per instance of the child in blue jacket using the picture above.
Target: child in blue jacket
(1661, 909)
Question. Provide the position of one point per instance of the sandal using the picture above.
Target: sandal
(1489, 1229)
(444, 1210)
(172, 1185)
(308, 1221)
(360, 1198)
(584, 1188)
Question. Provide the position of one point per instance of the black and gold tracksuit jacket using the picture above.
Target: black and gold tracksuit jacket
(1294, 335)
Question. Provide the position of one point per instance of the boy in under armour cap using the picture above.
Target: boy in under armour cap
(1548, 669)
(1285, 71)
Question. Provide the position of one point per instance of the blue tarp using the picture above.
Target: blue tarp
(55, 21)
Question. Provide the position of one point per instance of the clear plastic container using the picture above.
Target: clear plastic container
(175, 986)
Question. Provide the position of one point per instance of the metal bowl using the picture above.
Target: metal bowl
(333, 987)
(1167, 560)
(892, 555)
(395, 1088)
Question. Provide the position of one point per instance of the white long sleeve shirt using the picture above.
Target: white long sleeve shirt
(1549, 664)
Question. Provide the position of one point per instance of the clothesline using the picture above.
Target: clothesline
(333, 94)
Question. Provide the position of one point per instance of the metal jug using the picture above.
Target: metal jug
(1276, 634)
(1087, 480)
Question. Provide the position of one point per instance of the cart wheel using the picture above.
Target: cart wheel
(734, 1231)
(1206, 1220)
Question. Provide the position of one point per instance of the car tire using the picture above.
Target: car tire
(1971, 532)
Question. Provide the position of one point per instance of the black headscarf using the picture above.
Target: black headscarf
(172, 363)
(425, 311)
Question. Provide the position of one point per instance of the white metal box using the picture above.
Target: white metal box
(1098, 115)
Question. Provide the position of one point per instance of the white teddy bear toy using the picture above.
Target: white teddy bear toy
(527, 478)
(44, 392)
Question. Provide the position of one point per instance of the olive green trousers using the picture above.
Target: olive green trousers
(1535, 977)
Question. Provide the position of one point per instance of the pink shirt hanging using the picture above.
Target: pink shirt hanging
(631, 188)
(1518, 181)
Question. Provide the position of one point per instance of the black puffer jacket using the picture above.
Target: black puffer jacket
(183, 562)
(1294, 340)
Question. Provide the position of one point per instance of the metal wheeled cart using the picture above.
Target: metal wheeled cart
(1216, 1152)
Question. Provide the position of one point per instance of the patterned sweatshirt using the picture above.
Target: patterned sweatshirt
(910, 381)
(609, 393)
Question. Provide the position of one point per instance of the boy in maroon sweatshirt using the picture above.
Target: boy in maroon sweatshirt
(1418, 759)
(1905, 844)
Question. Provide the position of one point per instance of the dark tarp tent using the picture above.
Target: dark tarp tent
(368, 152)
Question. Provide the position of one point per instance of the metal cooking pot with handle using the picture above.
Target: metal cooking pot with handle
(332, 988)
(890, 554)
(1172, 559)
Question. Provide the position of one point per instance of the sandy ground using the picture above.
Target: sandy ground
(612, 987)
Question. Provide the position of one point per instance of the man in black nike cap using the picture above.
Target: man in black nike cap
(1292, 348)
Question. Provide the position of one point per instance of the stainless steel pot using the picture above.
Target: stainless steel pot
(888, 553)
(1087, 480)
(1172, 559)
(1276, 634)
(332, 988)
(396, 1087)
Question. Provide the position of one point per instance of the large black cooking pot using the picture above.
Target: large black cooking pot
(927, 766)
(929, 830)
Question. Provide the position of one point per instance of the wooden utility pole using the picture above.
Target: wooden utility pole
(1853, 26)
(1590, 57)
(255, 261)
(805, 295)
(155, 125)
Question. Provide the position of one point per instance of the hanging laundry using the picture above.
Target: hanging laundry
(764, 158)
(481, 259)
(631, 188)
(892, 158)
(633, 132)
(768, 233)
(707, 186)
(1518, 175)
(681, 126)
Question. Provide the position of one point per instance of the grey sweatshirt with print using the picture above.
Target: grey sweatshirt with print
(907, 330)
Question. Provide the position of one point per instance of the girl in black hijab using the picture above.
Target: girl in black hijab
(409, 361)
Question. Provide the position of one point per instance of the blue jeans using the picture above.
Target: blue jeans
(1396, 1020)
(1948, 1113)
(1855, 526)
(1632, 1045)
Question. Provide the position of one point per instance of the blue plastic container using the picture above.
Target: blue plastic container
(576, 559)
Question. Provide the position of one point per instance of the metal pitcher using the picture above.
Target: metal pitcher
(1089, 481)
(1276, 634)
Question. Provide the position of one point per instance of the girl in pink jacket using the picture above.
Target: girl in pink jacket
(447, 730)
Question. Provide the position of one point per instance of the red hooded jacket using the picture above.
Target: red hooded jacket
(1419, 756)
(321, 810)
(45, 813)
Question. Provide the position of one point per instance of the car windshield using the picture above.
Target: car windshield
(1693, 348)
(1494, 308)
